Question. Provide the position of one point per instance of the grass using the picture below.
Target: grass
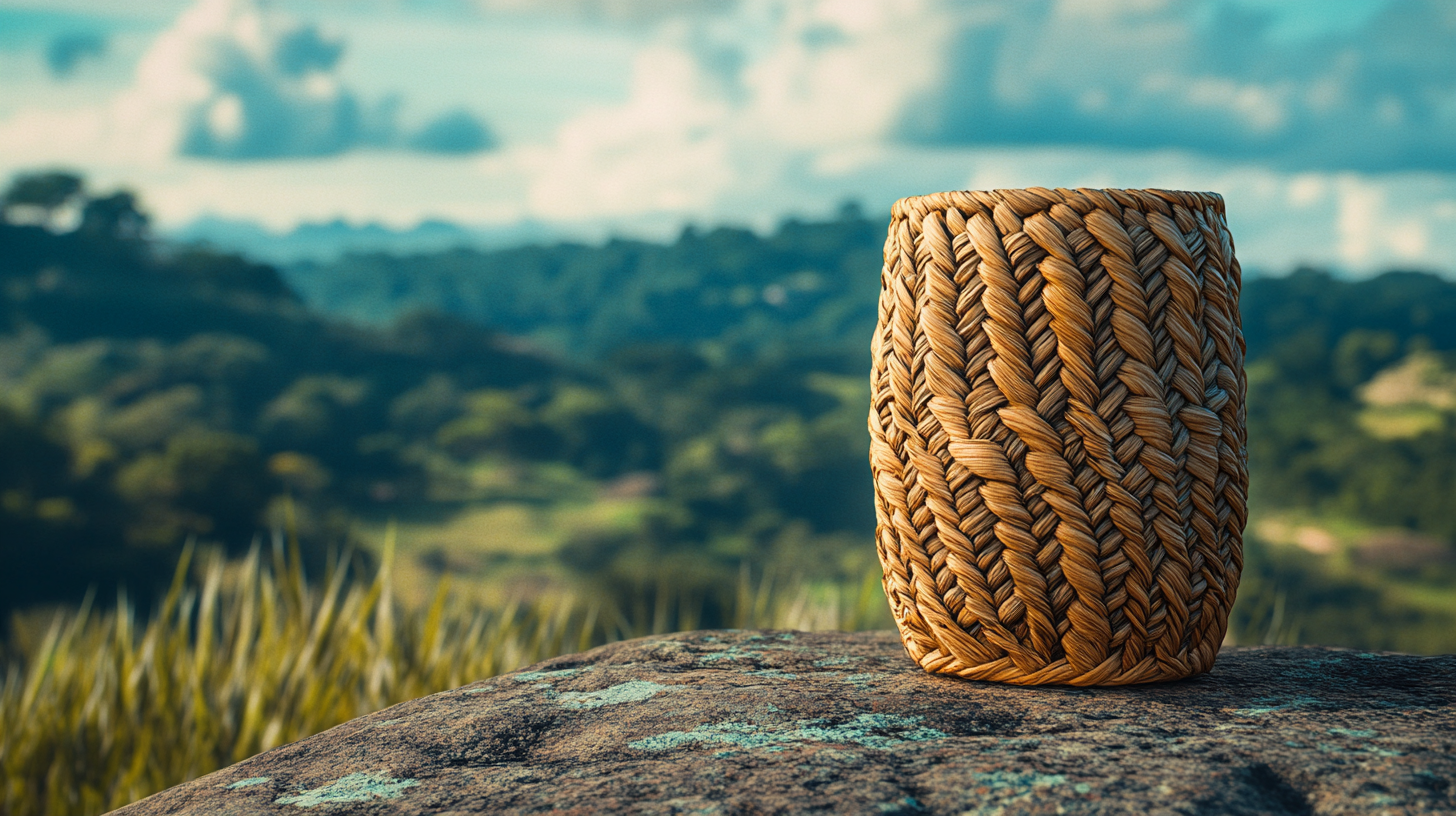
(491, 549)
(100, 709)
(241, 657)
(1291, 595)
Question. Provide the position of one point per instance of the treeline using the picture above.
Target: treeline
(1352, 398)
(156, 393)
(1321, 438)
(728, 292)
(153, 393)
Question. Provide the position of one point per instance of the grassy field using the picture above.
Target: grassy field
(99, 708)
(1325, 580)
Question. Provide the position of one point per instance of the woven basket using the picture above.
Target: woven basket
(1057, 433)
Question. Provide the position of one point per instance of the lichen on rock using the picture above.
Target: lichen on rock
(777, 722)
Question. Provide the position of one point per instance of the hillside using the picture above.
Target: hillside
(151, 395)
(1352, 403)
(665, 423)
(154, 393)
(729, 292)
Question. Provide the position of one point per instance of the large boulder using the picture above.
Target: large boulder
(794, 722)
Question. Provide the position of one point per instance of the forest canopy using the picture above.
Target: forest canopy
(621, 414)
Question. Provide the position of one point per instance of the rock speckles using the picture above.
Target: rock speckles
(777, 722)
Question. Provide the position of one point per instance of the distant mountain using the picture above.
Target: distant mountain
(329, 240)
(154, 393)
(729, 292)
(195, 369)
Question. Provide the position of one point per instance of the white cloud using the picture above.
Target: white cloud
(1215, 77)
(1360, 205)
(637, 11)
(732, 105)
(1392, 227)
(745, 112)
(1306, 189)
(231, 79)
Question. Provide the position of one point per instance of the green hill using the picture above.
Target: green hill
(729, 292)
(155, 393)
(646, 420)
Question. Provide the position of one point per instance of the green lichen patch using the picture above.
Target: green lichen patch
(356, 787)
(1006, 792)
(905, 804)
(775, 673)
(997, 780)
(632, 691)
(831, 661)
(1349, 732)
(734, 652)
(878, 731)
(1330, 670)
(248, 783)
(1274, 705)
(1358, 748)
(534, 676)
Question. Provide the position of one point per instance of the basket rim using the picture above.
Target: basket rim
(1026, 200)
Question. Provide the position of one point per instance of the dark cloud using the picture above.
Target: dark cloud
(286, 98)
(1211, 78)
(67, 51)
(304, 49)
(286, 103)
(454, 132)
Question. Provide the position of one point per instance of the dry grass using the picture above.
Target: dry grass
(241, 657)
(100, 710)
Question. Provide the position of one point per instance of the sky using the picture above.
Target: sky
(1328, 125)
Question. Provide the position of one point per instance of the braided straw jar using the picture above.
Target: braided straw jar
(1057, 433)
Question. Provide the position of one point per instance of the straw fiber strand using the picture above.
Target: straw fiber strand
(1057, 433)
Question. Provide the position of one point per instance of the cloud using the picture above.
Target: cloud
(230, 80)
(1215, 77)
(457, 131)
(67, 51)
(729, 107)
(744, 112)
(776, 107)
(635, 11)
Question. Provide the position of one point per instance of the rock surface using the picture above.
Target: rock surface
(794, 722)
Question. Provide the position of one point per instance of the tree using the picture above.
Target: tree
(115, 216)
(36, 197)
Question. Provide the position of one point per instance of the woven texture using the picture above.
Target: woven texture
(1057, 433)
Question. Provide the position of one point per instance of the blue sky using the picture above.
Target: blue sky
(1329, 125)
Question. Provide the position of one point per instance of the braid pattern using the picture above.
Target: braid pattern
(1057, 433)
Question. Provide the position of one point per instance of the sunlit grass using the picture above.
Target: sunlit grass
(101, 708)
(493, 548)
(241, 657)
(1330, 595)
